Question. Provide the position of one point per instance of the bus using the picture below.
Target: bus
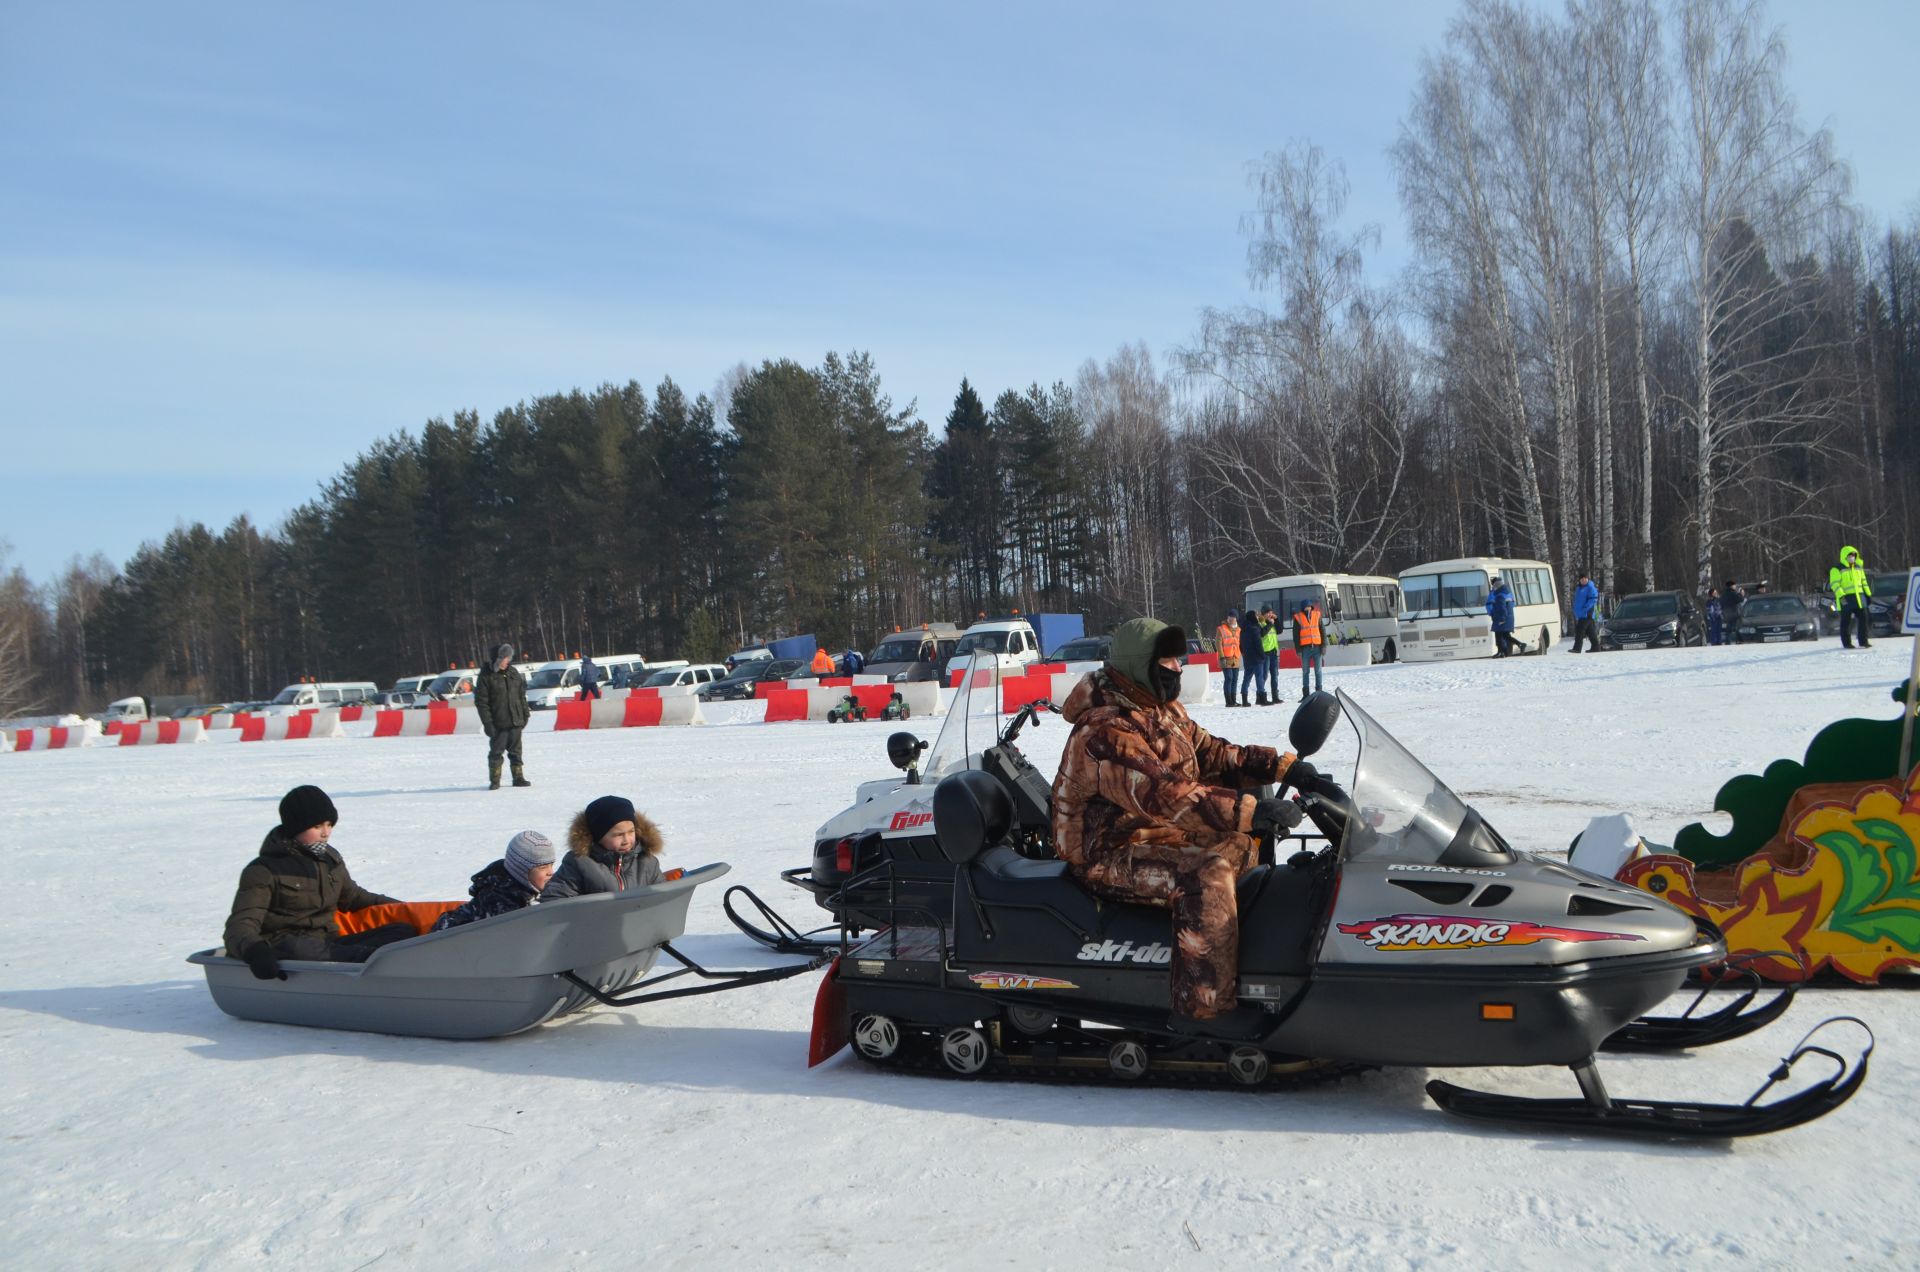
(1353, 607)
(1443, 608)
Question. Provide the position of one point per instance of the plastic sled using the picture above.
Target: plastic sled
(498, 976)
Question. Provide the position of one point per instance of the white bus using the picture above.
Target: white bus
(1353, 607)
(1443, 608)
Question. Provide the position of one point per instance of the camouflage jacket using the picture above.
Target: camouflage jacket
(1139, 771)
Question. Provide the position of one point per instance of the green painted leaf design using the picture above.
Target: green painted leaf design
(1862, 882)
(1900, 856)
(1901, 927)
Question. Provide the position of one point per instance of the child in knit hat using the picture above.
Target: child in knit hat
(611, 848)
(288, 894)
(511, 883)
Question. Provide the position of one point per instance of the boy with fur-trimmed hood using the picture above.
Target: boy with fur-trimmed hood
(611, 848)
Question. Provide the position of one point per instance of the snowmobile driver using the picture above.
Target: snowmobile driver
(1148, 808)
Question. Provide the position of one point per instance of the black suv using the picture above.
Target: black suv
(1887, 604)
(1775, 616)
(742, 680)
(1652, 620)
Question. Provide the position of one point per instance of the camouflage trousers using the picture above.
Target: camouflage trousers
(1197, 883)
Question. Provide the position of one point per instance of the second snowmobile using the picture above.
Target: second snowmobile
(1413, 935)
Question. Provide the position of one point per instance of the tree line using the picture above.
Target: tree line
(1645, 332)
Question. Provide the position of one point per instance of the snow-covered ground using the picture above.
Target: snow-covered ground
(142, 1127)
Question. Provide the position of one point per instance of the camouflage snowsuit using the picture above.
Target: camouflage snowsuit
(1146, 810)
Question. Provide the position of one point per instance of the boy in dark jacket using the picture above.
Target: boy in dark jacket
(511, 883)
(611, 848)
(288, 894)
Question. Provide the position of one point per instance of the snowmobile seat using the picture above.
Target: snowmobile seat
(971, 810)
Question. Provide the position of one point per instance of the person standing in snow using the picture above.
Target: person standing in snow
(822, 662)
(1851, 591)
(1309, 642)
(1731, 599)
(1716, 618)
(1227, 637)
(1500, 610)
(589, 679)
(1253, 671)
(1586, 602)
(288, 895)
(610, 848)
(1270, 654)
(500, 696)
(1148, 808)
(513, 882)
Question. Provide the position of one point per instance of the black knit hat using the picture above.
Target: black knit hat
(305, 807)
(605, 813)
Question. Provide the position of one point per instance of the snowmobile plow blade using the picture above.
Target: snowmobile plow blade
(1596, 1112)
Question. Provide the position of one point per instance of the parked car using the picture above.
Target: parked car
(740, 683)
(1888, 602)
(449, 688)
(698, 674)
(918, 653)
(1652, 620)
(393, 698)
(1084, 649)
(1775, 616)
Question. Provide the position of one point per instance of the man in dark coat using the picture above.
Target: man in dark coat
(500, 696)
(1150, 808)
(288, 895)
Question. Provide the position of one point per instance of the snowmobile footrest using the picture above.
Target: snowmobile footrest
(1660, 1119)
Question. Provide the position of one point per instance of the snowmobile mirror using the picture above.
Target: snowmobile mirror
(1313, 723)
(971, 811)
(903, 749)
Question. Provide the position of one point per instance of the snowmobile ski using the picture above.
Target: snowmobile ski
(1678, 1033)
(1671, 1119)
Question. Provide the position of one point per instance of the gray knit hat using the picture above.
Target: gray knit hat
(526, 850)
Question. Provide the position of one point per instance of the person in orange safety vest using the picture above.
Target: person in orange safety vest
(1310, 643)
(1228, 636)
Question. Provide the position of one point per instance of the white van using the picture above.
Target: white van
(553, 683)
(1010, 640)
(129, 709)
(1352, 607)
(414, 684)
(694, 675)
(1443, 608)
(321, 693)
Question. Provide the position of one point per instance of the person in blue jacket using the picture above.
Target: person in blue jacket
(1500, 609)
(1716, 618)
(1586, 604)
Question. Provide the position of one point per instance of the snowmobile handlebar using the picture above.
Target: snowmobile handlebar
(1028, 714)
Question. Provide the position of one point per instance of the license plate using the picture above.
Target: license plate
(1782, 636)
(1633, 644)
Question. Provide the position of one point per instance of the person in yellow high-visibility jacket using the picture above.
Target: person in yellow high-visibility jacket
(1270, 656)
(1851, 591)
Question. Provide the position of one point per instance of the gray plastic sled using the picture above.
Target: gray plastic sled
(481, 980)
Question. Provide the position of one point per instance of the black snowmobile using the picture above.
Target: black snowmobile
(1409, 933)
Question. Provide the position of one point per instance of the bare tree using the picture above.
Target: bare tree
(1749, 173)
(1128, 410)
(1303, 448)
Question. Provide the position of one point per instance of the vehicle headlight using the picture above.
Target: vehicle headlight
(898, 677)
(1745, 630)
(1672, 625)
(1806, 627)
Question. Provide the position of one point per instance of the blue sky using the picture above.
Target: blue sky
(240, 242)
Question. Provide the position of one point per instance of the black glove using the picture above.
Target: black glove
(265, 966)
(1270, 812)
(1308, 780)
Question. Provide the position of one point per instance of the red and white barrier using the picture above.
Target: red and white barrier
(56, 737)
(288, 728)
(6, 741)
(635, 710)
(433, 722)
(162, 732)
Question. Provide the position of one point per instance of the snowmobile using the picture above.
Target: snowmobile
(849, 708)
(1412, 934)
(880, 850)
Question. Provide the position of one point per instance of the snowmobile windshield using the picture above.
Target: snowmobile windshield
(1405, 813)
(973, 717)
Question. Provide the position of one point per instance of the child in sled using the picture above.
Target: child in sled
(511, 883)
(610, 848)
(288, 895)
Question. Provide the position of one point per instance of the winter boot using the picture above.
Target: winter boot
(1262, 699)
(519, 776)
(493, 777)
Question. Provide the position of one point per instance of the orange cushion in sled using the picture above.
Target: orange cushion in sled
(420, 914)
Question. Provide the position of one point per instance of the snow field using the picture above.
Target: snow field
(144, 1128)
